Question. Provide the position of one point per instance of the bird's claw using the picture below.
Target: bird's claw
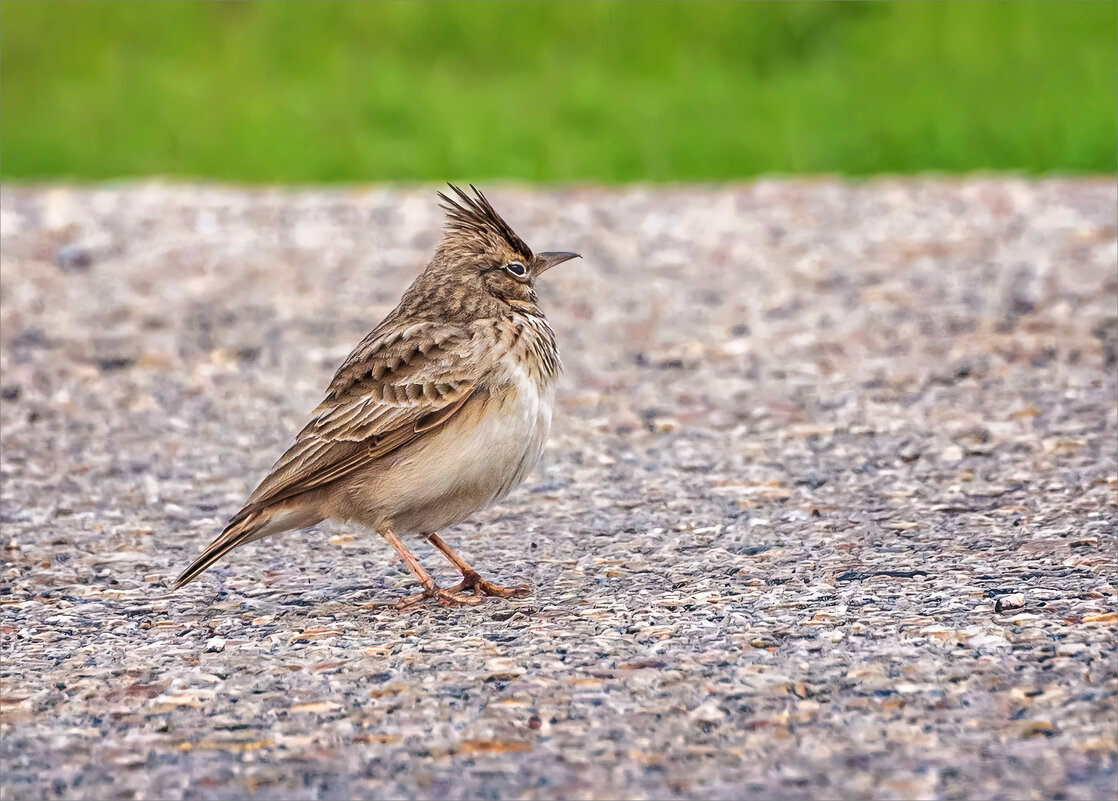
(452, 598)
(483, 587)
(455, 596)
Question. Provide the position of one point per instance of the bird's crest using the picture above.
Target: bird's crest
(475, 217)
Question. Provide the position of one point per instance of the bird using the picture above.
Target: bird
(440, 412)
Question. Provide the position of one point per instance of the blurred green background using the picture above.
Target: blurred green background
(357, 92)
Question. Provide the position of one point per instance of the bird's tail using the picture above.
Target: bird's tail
(246, 526)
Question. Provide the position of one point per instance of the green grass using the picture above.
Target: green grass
(320, 92)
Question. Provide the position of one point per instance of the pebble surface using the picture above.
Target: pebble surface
(829, 507)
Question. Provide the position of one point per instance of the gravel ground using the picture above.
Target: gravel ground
(829, 508)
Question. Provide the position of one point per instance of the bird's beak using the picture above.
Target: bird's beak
(545, 261)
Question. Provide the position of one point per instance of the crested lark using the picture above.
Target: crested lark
(441, 411)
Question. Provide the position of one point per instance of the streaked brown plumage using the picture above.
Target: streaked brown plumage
(439, 412)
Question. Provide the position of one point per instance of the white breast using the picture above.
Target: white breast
(481, 455)
(534, 404)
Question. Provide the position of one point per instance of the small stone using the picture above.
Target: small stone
(72, 258)
(1035, 728)
(952, 454)
(1008, 603)
(665, 425)
(502, 669)
(1101, 617)
(708, 713)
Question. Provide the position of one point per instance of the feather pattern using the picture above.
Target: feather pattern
(372, 408)
(479, 223)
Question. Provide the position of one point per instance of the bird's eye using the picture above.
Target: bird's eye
(516, 268)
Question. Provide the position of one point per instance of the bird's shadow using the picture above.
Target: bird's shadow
(346, 603)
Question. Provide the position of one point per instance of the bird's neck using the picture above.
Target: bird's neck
(531, 342)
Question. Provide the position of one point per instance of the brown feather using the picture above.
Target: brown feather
(329, 447)
(476, 216)
(238, 532)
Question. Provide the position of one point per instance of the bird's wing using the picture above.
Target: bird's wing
(394, 387)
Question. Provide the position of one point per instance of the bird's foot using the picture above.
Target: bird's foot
(455, 596)
(483, 587)
(415, 600)
(452, 596)
(443, 596)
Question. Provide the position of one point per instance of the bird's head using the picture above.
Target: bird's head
(481, 263)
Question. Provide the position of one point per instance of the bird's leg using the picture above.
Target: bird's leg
(470, 578)
(430, 588)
